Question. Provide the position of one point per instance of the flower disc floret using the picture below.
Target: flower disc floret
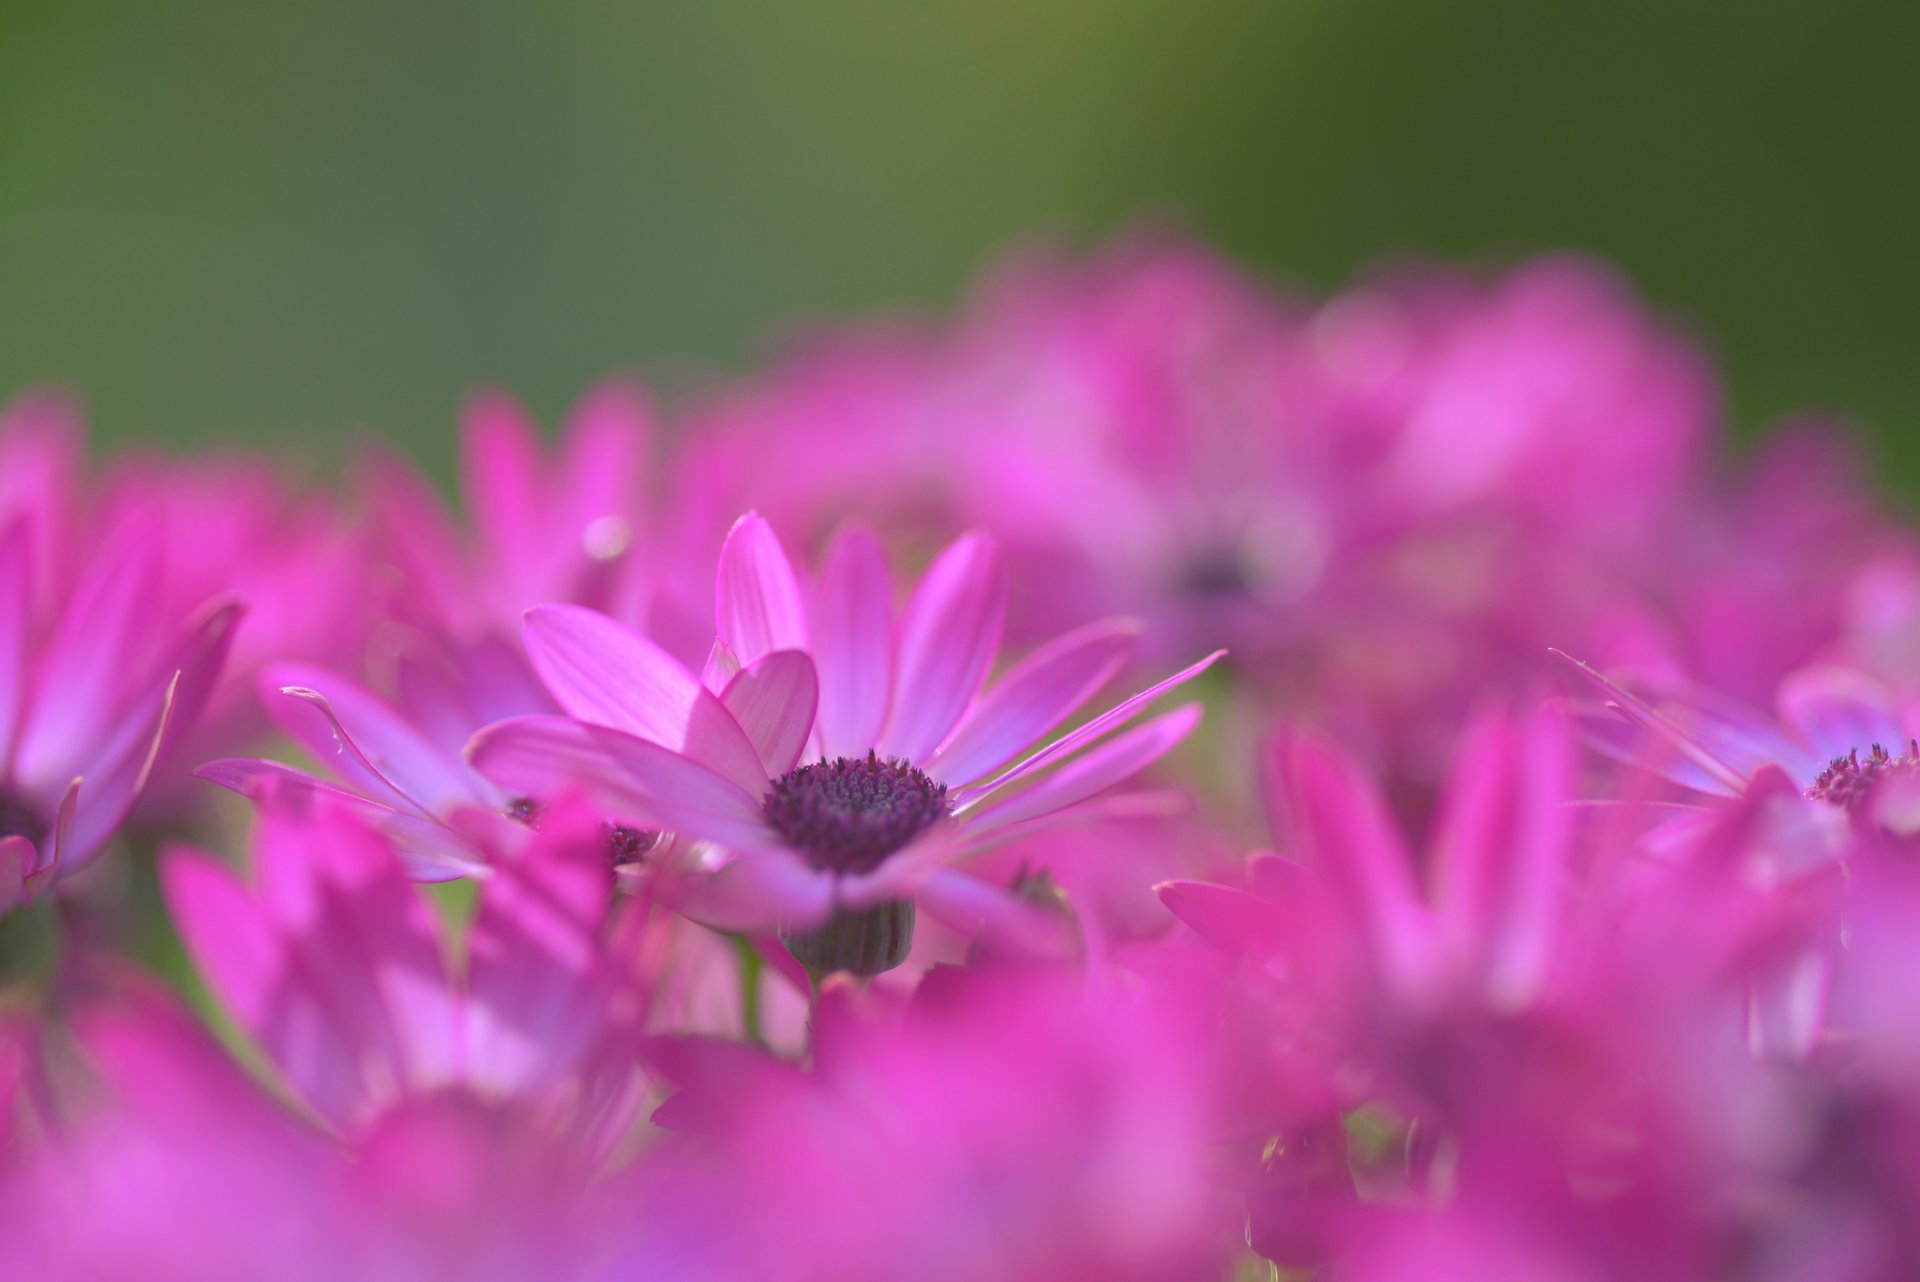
(1848, 781)
(847, 815)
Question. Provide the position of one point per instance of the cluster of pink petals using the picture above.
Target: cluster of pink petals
(779, 837)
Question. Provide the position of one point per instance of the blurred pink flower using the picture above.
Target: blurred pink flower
(915, 760)
(336, 967)
(1006, 1125)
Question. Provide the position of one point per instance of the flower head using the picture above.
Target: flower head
(915, 763)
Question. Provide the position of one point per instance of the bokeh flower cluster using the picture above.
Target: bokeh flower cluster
(1149, 777)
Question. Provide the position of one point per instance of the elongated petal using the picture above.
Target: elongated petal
(753, 892)
(611, 676)
(1088, 733)
(501, 476)
(852, 626)
(1034, 697)
(1225, 916)
(373, 736)
(757, 605)
(83, 678)
(949, 634)
(534, 958)
(257, 980)
(603, 461)
(16, 619)
(1339, 826)
(1121, 757)
(1501, 848)
(1662, 728)
(774, 699)
(117, 781)
(549, 757)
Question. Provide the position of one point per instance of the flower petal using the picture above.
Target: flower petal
(84, 675)
(758, 891)
(774, 699)
(16, 617)
(1034, 697)
(609, 675)
(1085, 734)
(1838, 710)
(1121, 757)
(949, 634)
(757, 606)
(372, 736)
(852, 626)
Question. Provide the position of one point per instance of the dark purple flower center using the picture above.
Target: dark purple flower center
(21, 818)
(1848, 781)
(849, 814)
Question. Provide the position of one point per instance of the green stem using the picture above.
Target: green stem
(750, 964)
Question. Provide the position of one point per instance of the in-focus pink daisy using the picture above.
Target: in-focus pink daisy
(87, 698)
(915, 759)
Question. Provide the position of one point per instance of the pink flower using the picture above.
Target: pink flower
(916, 763)
(1003, 1125)
(337, 968)
(565, 523)
(89, 690)
(234, 525)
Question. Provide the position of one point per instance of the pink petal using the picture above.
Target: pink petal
(534, 958)
(1501, 847)
(257, 980)
(370, 734)
(611, 676)
(1224, 916)
(1033, 698)
(603, 460)
(757, 599)
(200, 659)
(949, 634)
(758, 891)
(16, 618)
(501, 471)
(1120, 758)
(1837, 710)
(1084, 734)
(774, 700)
(980, 909)
(1642, 714)
(420, 534)
(549, 757)
(1339, 826)
(852, 621)
(635, 779)
(117, 780)
(83, 680)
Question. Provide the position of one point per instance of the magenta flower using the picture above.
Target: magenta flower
(915, 765)
(88, 694)
(565, 523)
(1007, 1126)
(330, 960)
(233, 525)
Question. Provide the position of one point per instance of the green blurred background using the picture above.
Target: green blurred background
(221, 219)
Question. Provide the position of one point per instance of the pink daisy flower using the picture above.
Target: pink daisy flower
(915, 759)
